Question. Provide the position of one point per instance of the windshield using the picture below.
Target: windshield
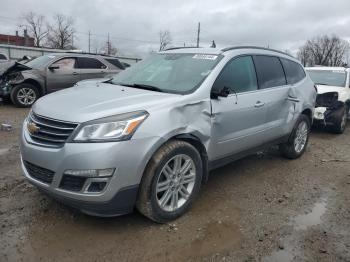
(40, 61)
(173, 73)
(328, 77)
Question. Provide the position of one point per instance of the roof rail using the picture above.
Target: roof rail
(180, 47)
(86, 53)
(254, 47)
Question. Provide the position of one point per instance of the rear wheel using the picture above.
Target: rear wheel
(171, 181)
(298, 139)
(24, 95)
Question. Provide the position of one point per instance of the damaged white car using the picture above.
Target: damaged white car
(333, 96)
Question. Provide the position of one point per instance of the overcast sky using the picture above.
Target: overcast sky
(134, 25)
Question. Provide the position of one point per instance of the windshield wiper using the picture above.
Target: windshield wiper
(142, 86)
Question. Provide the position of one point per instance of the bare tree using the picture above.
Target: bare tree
(36, 26)
(323, 50)
(109, 48)
(164, 39)
(61, 32)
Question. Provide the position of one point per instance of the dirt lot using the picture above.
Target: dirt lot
(261, 208)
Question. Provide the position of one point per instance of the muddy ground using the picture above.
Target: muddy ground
(261, 208)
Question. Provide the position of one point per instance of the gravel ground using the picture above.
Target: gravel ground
(261, 208)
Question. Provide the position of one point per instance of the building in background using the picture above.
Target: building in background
(18, 52)
(17, 40)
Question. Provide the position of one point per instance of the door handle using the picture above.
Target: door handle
(293, 99)
(259, 104)
(75, 73)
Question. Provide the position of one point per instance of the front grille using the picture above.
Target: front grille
(326, 99)
(49, 132)
(39, 173)
(72, 183)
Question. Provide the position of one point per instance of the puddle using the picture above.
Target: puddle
(313, 218)
(3, 151)
(279, 256)
(301, 222)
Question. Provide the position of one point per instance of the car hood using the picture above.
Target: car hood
(89, 101)
(321, 89)
(13, 68)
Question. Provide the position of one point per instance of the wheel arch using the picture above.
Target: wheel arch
(308, 113)
(189, 138)
(197, 143)
(34, 83)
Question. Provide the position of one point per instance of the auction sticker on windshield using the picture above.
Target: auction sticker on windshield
(208, 57)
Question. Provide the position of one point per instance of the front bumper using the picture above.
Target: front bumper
(5, 90)
(129, 159)
(328, 116)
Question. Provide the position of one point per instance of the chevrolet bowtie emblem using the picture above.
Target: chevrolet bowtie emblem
(32, 128)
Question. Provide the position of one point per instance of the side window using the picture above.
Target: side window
(116, 63)
(3, 57)
(90, 63)
(269, 70)
(294, 71)
(65, 63)
(238, 75)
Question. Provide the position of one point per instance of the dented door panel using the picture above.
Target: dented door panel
(238, 123)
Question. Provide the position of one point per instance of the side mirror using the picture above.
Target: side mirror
(53, 67)
(223, 92)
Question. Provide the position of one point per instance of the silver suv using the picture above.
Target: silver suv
(149, 136)
(25, 83)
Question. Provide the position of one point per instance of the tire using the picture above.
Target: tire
(340, 122)
(290, 149)
(149, 202)
(24, 95)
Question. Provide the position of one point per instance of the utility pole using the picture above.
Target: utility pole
(89, 40)
(108, 46)
(198, 33)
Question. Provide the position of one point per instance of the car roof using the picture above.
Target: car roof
(222, 51)
(83, 55)
(328, 68)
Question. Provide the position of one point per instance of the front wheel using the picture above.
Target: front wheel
(171, 181)
(298, 139)
(24, 95)
(340, 122)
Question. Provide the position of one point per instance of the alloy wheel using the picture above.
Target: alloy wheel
(26, 96)
(175, 183)
(301, 136)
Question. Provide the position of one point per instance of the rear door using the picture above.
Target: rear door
(275, 90)
(239, 119)
(61, 74)
(88, 67)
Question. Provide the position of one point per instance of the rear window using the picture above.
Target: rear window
(294, 71)
(90, 63)
(270, 72)
(116, 63)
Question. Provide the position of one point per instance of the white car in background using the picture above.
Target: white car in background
(333, 96)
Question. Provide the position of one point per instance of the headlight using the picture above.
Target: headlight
(116, 128)
(15, 78)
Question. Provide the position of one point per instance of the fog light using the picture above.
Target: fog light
(97, 186)
(91, 172)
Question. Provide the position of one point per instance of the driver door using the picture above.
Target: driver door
(61, 74)
(238, 121)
